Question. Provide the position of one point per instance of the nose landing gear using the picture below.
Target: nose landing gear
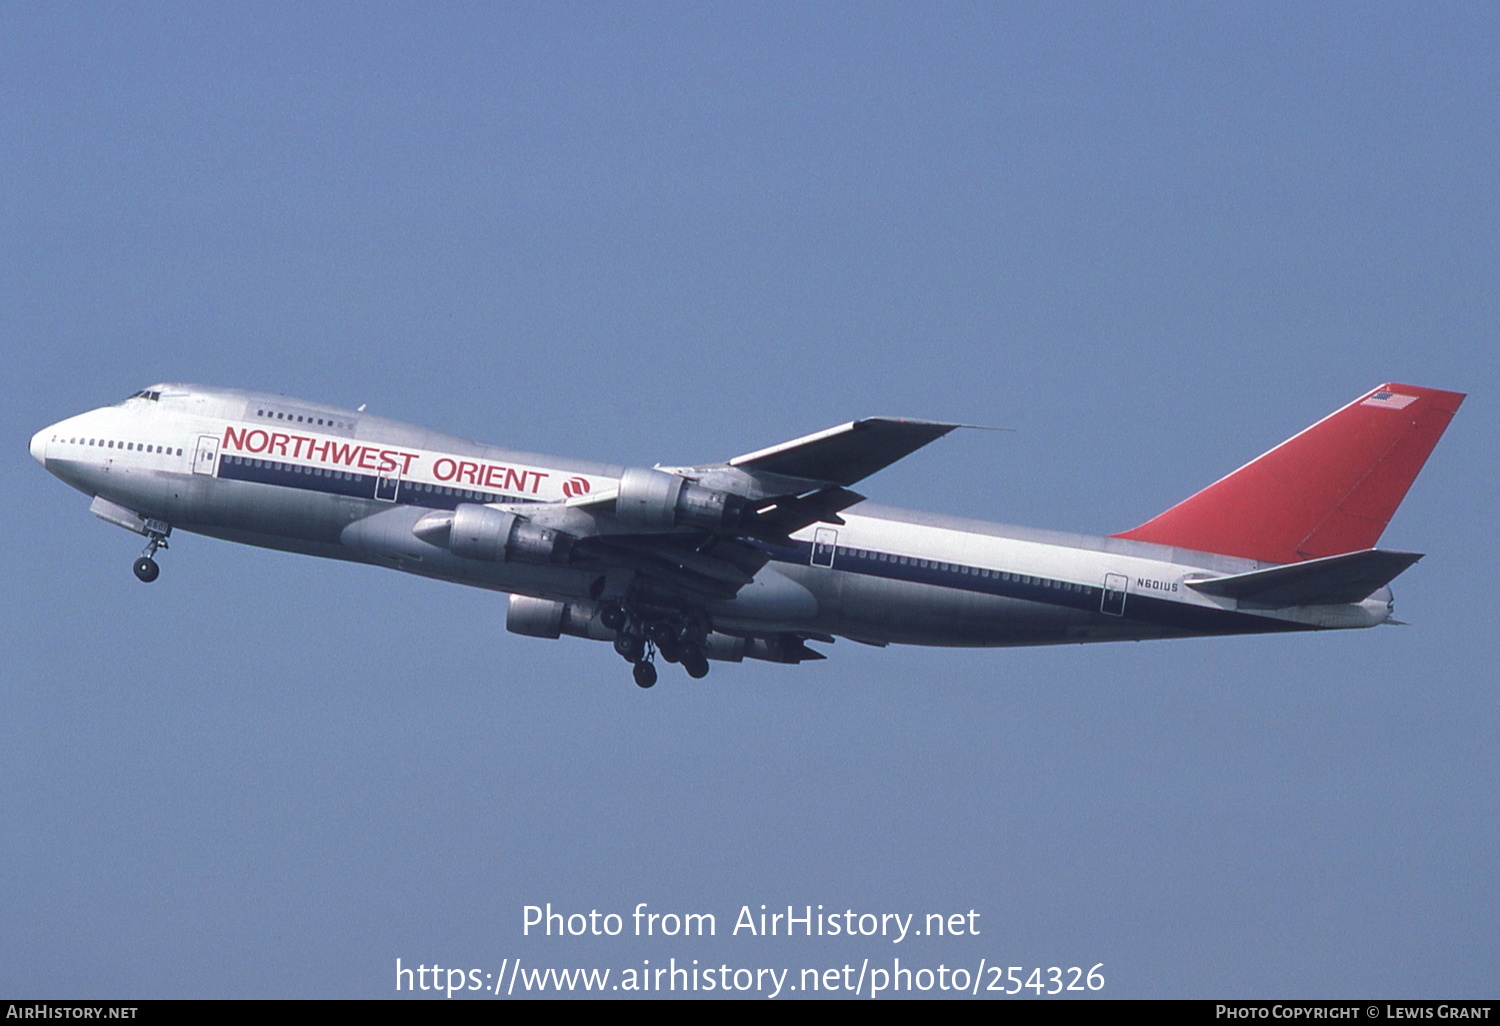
(145, 567)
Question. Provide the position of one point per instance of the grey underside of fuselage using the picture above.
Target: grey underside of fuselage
(908, 613)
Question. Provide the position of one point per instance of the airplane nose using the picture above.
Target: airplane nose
(39, 445)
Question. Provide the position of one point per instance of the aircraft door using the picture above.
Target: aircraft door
(387, 484)
(825, 540)
(206, 459)
(1113, 602)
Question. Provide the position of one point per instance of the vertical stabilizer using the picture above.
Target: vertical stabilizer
(1328, 490)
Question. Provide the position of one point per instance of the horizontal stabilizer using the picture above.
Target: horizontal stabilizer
(847, 453)
(1333, 580)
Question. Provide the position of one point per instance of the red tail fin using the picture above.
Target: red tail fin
(1330, 489)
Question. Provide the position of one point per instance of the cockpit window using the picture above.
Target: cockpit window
(144, 394)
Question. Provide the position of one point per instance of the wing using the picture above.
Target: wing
(845, 454)
(714, 563)
(668, 550)
(780, 490)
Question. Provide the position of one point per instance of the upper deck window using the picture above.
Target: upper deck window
(269, 413)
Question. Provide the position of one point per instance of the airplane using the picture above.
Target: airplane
(759, 555)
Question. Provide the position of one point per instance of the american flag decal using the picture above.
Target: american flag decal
(1390, 400)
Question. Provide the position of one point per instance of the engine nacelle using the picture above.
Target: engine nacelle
(494, 536)
(728, 647)
(777, 648)
(543, 618)
(653, 500)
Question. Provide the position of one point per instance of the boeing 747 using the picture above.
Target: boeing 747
(759, 555)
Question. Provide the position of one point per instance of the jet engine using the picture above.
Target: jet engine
(653, 500)
(494, 536)
(544, 618)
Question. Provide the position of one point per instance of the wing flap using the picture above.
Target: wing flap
(649, 549)
(787, 514)
(1351, 577)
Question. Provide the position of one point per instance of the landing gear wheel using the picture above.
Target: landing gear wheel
(145, 567)
(645, 674)
(630, 647)
(612, 617)
(694, 661)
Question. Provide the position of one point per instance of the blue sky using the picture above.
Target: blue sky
(1153, 239)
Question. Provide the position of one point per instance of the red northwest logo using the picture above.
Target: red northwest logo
(574, 487)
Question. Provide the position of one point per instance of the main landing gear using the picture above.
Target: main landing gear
(641, 635)
(145, 567)
(645, 674)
